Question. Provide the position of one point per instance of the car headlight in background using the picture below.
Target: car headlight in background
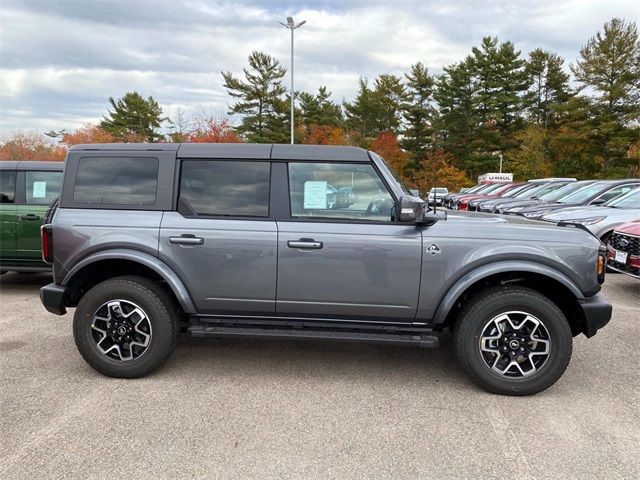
(585, 221)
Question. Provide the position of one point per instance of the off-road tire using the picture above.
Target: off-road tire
(487, 304)
(161, 311)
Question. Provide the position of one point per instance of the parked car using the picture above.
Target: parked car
(237, 240)
(448, 200)
(596, 193)
(473, 205)
(541, 195)
(488, 188)
(436, 194)
(531, 195)
(623, 249)
(601, 220)
(26, 190)
(463, 202)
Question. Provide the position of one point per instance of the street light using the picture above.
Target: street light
(499, 154)
(292, 26)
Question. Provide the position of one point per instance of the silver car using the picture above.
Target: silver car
(601, 220)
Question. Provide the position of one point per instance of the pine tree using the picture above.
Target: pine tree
(609, 65)
(134, 118)
(457, 122)
(418, 111)
(375, 110)
(318, 109)
(549, 86)
(265, 113)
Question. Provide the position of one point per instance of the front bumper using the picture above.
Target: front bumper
(597, 313)
(53, 298)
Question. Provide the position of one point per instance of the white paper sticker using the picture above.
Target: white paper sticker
(39, 189)
(315, 194)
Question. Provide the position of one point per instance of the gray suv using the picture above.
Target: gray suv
(217, 240)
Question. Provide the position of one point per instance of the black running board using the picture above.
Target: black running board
(421, 340)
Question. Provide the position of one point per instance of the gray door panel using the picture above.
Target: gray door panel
(348, 270)
(228, 266)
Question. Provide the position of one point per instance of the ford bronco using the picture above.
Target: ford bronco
(245, 240)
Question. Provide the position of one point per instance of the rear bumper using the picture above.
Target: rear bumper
(597, 313)
(52, 297)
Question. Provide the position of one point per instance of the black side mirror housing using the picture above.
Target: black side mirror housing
(411, 209)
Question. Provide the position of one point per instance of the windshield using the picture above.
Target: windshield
(562, 191)
(392, 172)
(514, 191)
(583, 194)
(491, 187)
(531, 192)
(628, 200)
(439, 190)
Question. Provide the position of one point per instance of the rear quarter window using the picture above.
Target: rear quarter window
(116, 181)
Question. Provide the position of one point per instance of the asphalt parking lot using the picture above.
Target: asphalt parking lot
(258, 409)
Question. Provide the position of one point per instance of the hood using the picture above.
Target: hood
(632, 228)
(569, 213)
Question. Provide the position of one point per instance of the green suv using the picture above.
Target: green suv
(26, 191)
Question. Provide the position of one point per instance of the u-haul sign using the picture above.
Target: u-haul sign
(496, 177)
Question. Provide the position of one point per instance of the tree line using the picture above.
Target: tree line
(544, 118)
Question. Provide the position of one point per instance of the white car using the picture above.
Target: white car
(436, 194)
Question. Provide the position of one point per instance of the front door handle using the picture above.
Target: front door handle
(30, 217)
(186, 239)
(306, 243)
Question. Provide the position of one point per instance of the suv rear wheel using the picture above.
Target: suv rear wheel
(512, 340)
(126, 327)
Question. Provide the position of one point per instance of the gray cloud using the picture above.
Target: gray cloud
(60, 60)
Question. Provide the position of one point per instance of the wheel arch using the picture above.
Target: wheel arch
(107, 264)
(542, 278)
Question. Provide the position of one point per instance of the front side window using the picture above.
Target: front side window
(226, 188)
(338, 191)
(116, 180)
(630, 200)
(616, 192)
(43, 187)
(7, 186)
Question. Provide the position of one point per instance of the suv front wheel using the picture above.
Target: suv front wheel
(126, 327)
(512, 340)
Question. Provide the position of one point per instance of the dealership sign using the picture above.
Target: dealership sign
(496, 177)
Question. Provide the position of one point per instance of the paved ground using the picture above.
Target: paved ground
(254, 409)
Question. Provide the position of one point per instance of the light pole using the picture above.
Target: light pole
(292, 26)
(499, 154)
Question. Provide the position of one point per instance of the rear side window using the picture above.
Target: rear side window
(116, 180)
(226, 188)
(43, 187)
(7, 186)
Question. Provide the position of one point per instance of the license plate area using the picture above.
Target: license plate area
(621, 257)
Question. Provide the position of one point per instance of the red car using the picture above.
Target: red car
(463, 202)
(623, 250)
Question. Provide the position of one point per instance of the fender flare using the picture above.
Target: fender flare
(467, 280)
(162, 269)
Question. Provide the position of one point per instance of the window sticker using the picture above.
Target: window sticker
(315, 194)
(39, 189)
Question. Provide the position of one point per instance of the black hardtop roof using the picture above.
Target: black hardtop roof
(31, 165)
(264, 151)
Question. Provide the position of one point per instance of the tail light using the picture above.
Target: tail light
(47, 243)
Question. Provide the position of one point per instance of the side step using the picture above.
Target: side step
(421, 340)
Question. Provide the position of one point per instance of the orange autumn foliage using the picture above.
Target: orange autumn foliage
(387, 146)
(210, 130)
(436, 170)
(31, 146)
(87, 134)
(322, 135)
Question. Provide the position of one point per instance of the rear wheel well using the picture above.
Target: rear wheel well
(101, 270)
(551, 288)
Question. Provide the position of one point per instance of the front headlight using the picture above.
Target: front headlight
(585, 221)
(516, 209)
(534, 214)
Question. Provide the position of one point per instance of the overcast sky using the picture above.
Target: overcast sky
(61, 59)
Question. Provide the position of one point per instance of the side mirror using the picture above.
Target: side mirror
(598, 201)
(414, 210)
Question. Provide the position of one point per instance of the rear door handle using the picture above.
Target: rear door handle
(306, 243)
(30, 217)
(186, 239)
